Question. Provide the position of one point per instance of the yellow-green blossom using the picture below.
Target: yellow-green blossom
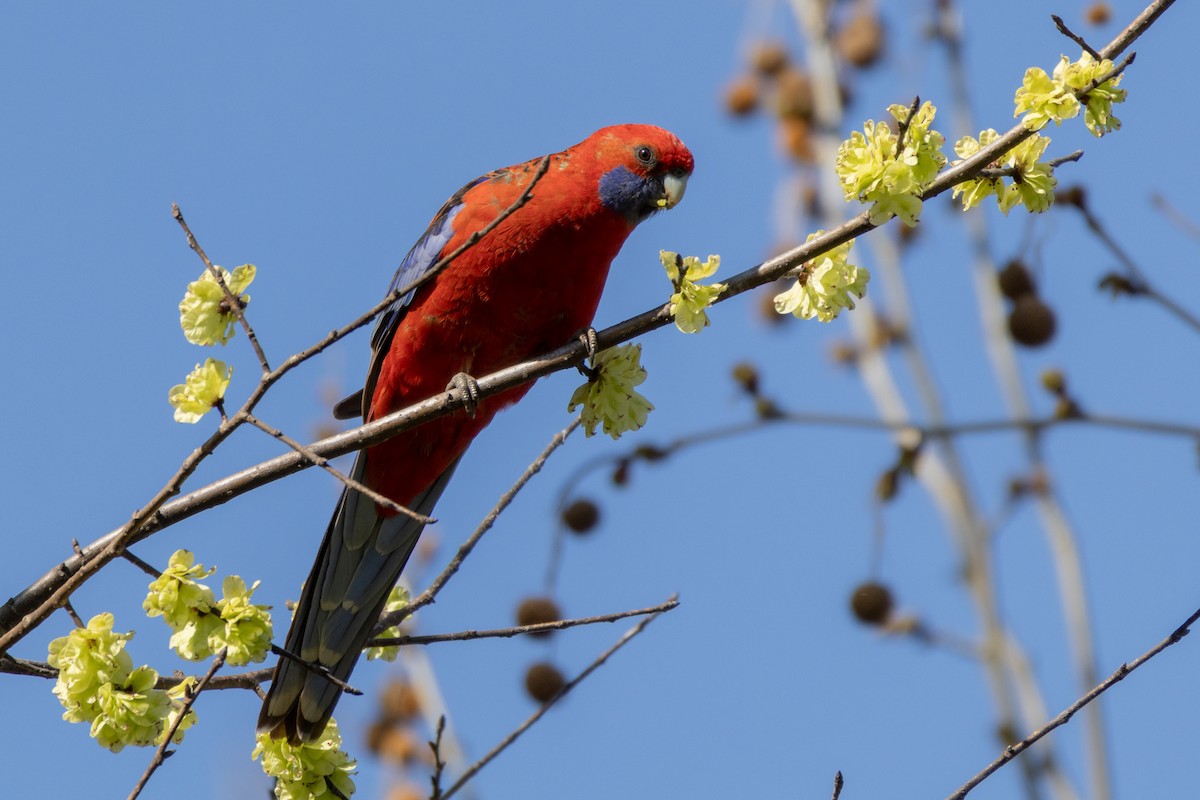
(690, 299)
(204, 312)
(305, 771)
(131, 712)
(1042, 98)
(825, 285)
(245, 632)
(201, 390)
(397, 600)
(1097, 101)
(97, 684)
(177, 694)
(874, 167)
(86, 660)
(185, 604)
(1032, 184)
(177, 595)
(608, 398)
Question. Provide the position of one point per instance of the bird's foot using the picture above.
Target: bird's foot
(591, 345)
(468, 391)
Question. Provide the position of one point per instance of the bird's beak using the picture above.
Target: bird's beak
(674, 186)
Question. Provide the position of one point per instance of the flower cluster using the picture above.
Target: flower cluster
(1032, 181)
(307, 771)
(397, 600)
(202, 624)
(608, 398)
(207, 317)
(825, 285)
(1073, 85)
(690, 299)
(875, 167)
(98, 684)
(205, 313)
(201, 391)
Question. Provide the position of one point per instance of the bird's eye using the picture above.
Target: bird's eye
(645, 154)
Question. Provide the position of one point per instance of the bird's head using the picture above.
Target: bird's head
(643, 169)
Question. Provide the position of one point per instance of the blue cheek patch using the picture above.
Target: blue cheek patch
(627, 193)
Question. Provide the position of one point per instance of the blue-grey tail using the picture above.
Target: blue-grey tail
(360, 560)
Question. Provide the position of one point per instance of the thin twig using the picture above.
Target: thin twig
(142, 565)
(906, 122)
(316, 669)
(324, 464)
(508, 633)
(503, 745)
(1121, 672)
(430, 594)
(1067, 32)
(439, 764)
(1175, 216)
(1140, 285)
(838, 783)
(1013, 172)
(189, 698)
(234, 302)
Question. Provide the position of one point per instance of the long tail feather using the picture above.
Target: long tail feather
(359, 562)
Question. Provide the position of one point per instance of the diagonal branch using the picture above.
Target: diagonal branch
(535, 716)
(1012, 751)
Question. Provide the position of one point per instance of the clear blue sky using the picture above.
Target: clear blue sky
(317, 143)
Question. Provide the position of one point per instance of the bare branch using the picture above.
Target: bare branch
(234, 302)
(1012, 751)
(1067, 32)
(430, 594)
(189, 698)
(535, 716)
(324, 464)
(508, 633)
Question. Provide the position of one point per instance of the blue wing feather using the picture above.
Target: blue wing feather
(428, 250)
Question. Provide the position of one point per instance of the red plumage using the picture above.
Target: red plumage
(527, 287)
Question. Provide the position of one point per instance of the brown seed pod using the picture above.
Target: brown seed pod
(543, 681)
(1098, 13)
(581, 516)
(871, 603)
(536, 610)
(769, 58)
(398, 745)
(860, 41)
(399, 701)
(376, 734)
(1015, 280)
(793, 95)
(1031, 322)
(745, 375)
(742, 96)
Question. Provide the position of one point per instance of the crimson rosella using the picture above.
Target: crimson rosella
(526, 288)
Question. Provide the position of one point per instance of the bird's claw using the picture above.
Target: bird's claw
(468, 391)
(591, 345)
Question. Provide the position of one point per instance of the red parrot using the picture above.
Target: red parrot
(529, 286)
